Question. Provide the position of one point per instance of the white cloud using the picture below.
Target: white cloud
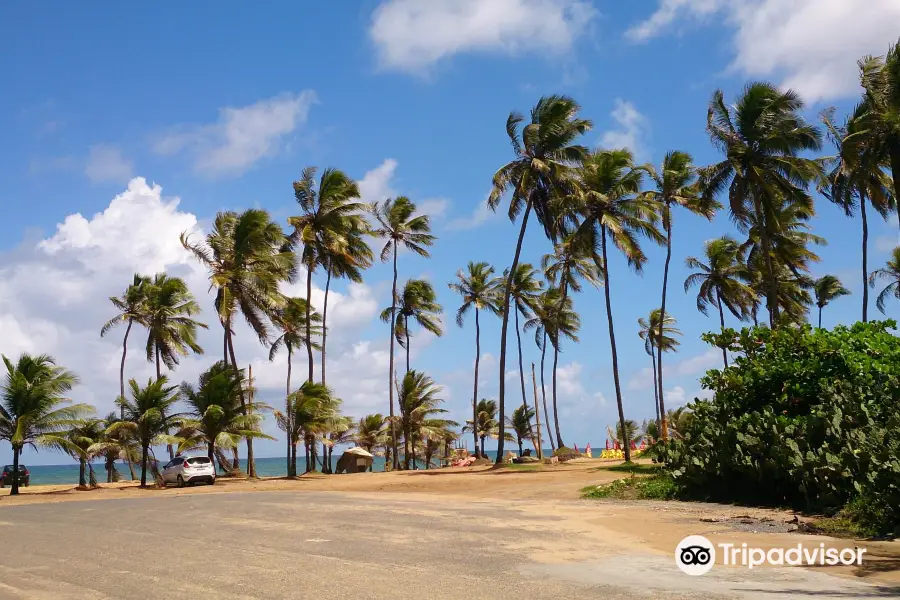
(53, 299)
(375, 185)
(811, 45)
(887, 243)
(568, 380)
(674, 397)
(105, 164)
(687, 367)
(601, 399)
(435, 208)
(242, 136)
(481, 215)
(411, 35)
(633, 129)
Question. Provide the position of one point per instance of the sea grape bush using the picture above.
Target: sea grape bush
(804, 417)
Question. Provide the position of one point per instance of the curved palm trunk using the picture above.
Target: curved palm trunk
(771, 283)
(559, 441)
(287, 414)
(309, 350)
(612, 342)
(521, 368)
(395, 464)
(503, 329)
(544, 395)
(664, 426)
(324, 321)
(122, 370)
(475, 392)
(251, 467)
(865, 257)
(659, 419)
(406, 325)
(722, 325)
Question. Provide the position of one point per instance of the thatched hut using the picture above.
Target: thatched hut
(354, 460)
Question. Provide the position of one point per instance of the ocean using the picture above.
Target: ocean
(274, 466)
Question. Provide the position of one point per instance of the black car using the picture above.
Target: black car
(7, 477)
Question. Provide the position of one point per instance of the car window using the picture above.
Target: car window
(198, 460)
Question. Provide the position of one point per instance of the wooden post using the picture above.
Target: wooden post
(537, 415)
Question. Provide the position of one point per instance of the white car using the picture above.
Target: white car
(183, 470)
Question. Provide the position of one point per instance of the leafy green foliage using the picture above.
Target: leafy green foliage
(657, 487)
(806, 417)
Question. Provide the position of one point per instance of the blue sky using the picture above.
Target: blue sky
(221, 109)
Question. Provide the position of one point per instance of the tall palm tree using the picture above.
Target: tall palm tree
(479, 290)
(524, 295)
(214, 418)
(614, 210)
(658, 334)
(881, 80)
(762, 137)
(419, 302)
(541, 172)
(891, 272)
(399, 224)
(520, 425)
(417, 397)
(148, 415)
(828, 288)
(345, 259)
(857, 177)
(371, 433)
(486, 423)
(247, 257)
(723, 280)
(33, 408)
(169, 307)
(554, 320)
(329, 213)
(131, 309)
(675, 184)
(291, 321)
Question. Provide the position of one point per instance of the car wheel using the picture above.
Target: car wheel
(180, 481)
(212, 481)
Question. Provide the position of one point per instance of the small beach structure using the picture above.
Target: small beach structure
(354, 460)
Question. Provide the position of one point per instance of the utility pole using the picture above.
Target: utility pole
(537, 415)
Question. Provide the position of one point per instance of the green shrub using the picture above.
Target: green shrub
(806, 418)
(657, 487)
(565, 454)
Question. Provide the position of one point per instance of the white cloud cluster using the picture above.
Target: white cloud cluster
(53, 299)
(632, 131)
(242, 136)
(811, 45)
(411, 35)
(478, 217)
(686, 367)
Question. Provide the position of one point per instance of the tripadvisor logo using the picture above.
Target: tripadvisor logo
(696, 555)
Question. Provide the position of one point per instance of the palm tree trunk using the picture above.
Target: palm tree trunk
(130, 464)
(894, 154)
(211, 452)
(612, 342)
(14, 490)
(287, 412)
(771, 283)
(475, 392)
(544, 394)
(521, 368)
(225, 344)
(143, 465)
(169, 448)
(324, 457)
(664, 427)
(395, 457)
(293, 454)
(82, 482)
(559, 440)
(482, 447)
(722, 324)
(406, 452)
(251, 467)
(820, 317)
(865, 257)
(520, 447)
(122, 370)
(406, 325)
(324, 318)
(656, 391)
(308, 324)
(503, 330)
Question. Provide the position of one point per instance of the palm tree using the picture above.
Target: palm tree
(371, 433)
(398, 223)
(881, 80)
(524, 296)
(131, 309)
(329, 213)
(658, 334)
(419, 302)
(417, 397)
(520, 425)
(762, 136)
(169, 306)
(79, 442)
(675, 184)
(723, 280)
(541, 172)
(148, 416)
(310, 407)
(214, 418)
(613, 209)
(891, 272)
(291, 321)
(828, 288)
(33, 408)
(479, 290)
(553, 320)
(633, 434)
(247, 258)
(486, 423)
(857, 177)
(112, 445)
